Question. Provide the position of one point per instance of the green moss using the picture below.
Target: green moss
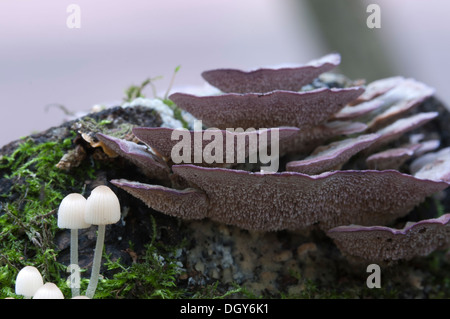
(91, 126)
(28, 208)
(176, 112)
(28, 226)
(154, 276)
(135, 91)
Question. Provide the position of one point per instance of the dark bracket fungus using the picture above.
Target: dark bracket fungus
(398, 128)
(349, 155)
(391, 158)
(234, 144)
(377, 88)
(308, 139)
(435, 166)
(394, 158)
(351, 112)
(151, 164)
(397, 101)
(427, 146)
(384, 244)
(276, 108)
(266, 80)
(290, 200)
(332, 156)
(188, 203)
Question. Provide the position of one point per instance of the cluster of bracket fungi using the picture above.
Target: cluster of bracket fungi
(343, 168)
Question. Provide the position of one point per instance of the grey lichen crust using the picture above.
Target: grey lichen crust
(336, 143)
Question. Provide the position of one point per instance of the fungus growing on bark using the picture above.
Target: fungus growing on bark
(272, 109)
(398, 128)
(338, 125)
(332, 156)
(434, 166)
(290, 200)
(308, 139)
(380, 243)
(233, 146)
(351, 112)
(151, 165)
(265, 80)
(392, 158)
(188, 203)
(395, 102)
(377, 88)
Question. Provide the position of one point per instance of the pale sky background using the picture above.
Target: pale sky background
(121, 43)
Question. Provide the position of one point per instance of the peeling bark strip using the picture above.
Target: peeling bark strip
(289, 200)
(273, 109)
(266, 80)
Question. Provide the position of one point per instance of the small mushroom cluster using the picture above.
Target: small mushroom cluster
(75, 212)
(349, 163)
(30, 284)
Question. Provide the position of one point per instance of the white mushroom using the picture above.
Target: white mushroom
(28, 281)
(71, 216)
(102, 208)
(48, 291)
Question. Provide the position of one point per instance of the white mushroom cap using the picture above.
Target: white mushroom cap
(71, 212)
(48, 291)
(28, 281)
(102, 207)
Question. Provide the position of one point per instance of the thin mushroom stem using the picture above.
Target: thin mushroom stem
(74, 268)
(95, 272)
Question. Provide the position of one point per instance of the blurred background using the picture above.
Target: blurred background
(122, 43)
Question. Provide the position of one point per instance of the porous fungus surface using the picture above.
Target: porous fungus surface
(392, 158)
(344, 158)
(188, 203)
(434, 166)
(266, 79)
(289, 200)
(381, 244)
(331, 156)
(270, 263)
(266, 110)
(406, 95)
(232, 144)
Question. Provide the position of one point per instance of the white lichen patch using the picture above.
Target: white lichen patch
(164, 111)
